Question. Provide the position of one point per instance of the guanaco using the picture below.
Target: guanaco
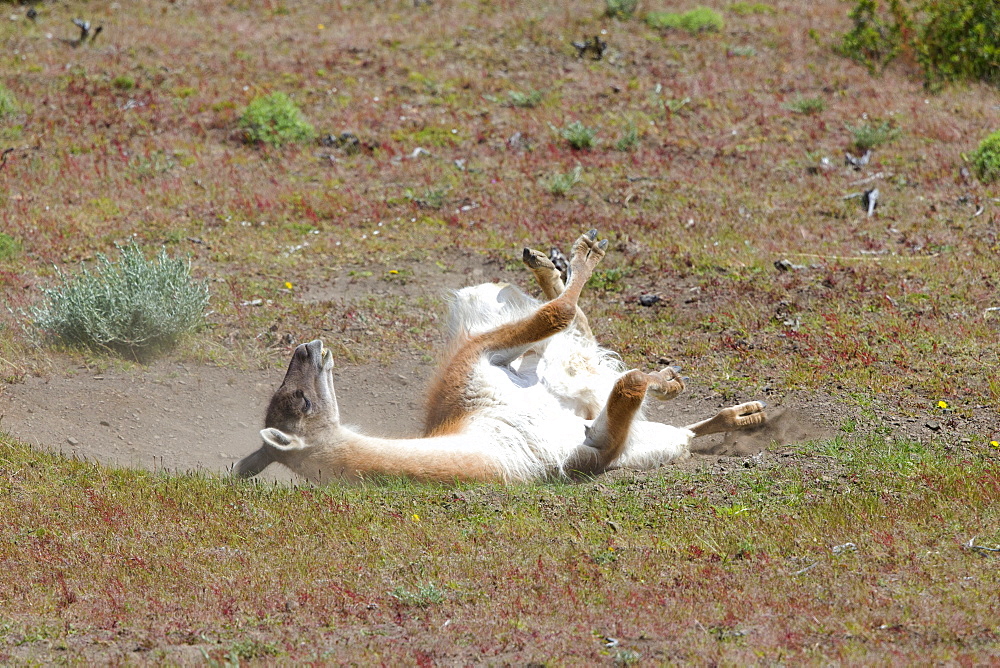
(524, 393)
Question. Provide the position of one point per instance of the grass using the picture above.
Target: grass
(104, 561)
(9, 246)
(620, 9)
(8, 103)
(697, 20)
(750, 8)
(262, 571)
(742, 51)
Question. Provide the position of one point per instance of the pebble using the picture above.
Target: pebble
(648, 300)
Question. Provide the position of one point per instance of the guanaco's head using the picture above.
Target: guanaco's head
(301, 409)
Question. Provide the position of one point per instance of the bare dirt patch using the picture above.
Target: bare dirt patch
(187, 417)
(183, 417)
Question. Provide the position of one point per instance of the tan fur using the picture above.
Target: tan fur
(366, 455)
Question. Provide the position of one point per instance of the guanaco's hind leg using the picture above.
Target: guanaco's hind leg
(608, 435)
(508, 342)
(550, 281)
(742, 416)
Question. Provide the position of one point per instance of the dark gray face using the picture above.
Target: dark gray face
(305, 400)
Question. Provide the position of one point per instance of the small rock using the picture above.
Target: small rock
(72, 441)
(648, 300)
(846, 547)
(105, 423)
(857, 162)
(869, 200)
(786, 265)
(933, 426)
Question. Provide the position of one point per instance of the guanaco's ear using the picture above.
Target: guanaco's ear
(253, 463)
(279, 440)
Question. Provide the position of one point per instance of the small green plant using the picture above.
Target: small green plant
(123, 82)
(428, 136)
(960, 39)
(560, 183)
(674, 105)
(748, 8)
(518, 99)
(133, 307)
(9, 246)
(620, 9)
(869, 135)
(629, 140)
(627, 657)
(425, 596)
(699, 19)
(744, 51)
(275, 120)
(432, 198)
(985, 159)
(874, 41)
(607, 280)
(579, 136)
(951, 39)
(806, 105)
(8, 104)
(606, 556)
(253, 649)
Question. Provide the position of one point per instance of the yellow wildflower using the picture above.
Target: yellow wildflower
(288, 285)
(942, 404)
(416, 518)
